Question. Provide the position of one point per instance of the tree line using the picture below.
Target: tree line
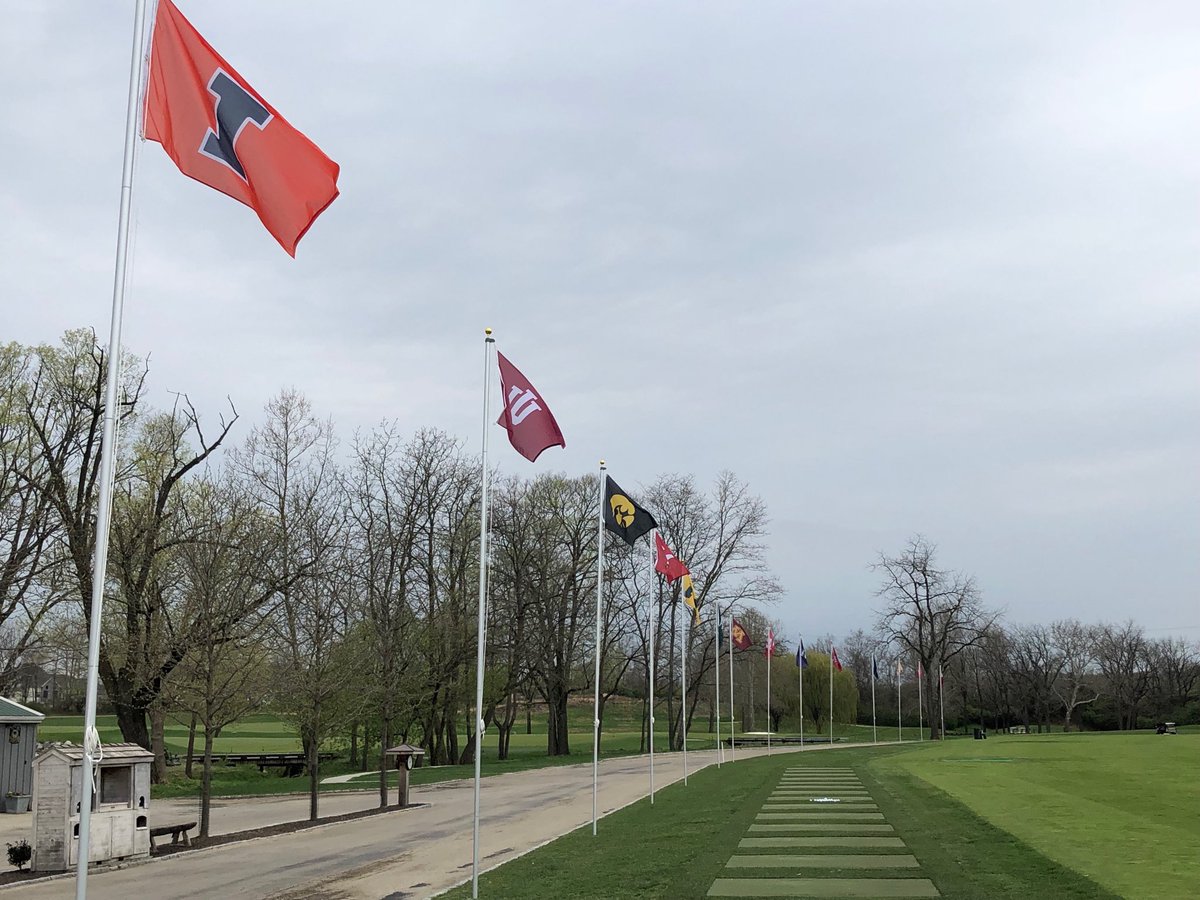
(331, 580)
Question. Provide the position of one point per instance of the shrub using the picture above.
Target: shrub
(19, 854)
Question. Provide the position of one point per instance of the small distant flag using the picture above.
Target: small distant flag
(801, 656)
(219, 131)
(531, 426)
(941, 677)
(899, 667)
(667, 562)
(738, 635)
(920, 671)
(874, 669)
(833, 658)
(770, 651)
(622, 516)
(690, 599)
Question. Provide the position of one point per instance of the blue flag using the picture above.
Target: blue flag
(801, 656)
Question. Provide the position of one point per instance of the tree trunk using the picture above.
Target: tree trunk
(191, 745)
(557, 739)
(206, 783)
(158, 744)
(385, 734)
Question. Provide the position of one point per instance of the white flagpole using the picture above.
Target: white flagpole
(717, 658)
(599, 595)
(920, 703)
(942, 701)
(652, 595)
(831, 695)
(800, 666)
(108, 451)
(899, 714)
(770, 653)
(481, 637)
(732, 726)
(684, 617)
(874, 730)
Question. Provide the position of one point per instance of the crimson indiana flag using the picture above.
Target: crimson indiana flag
(530, 425)
(667, 562)
(741, 640)
(219, 131)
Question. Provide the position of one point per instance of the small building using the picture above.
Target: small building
(18, 745)
(120, 820)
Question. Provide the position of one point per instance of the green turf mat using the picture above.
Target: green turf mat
(825, 861)
(823, 887)
(876, 842)
(827, 827)
(822, 816)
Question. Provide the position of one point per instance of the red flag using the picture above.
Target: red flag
(667, 562)
(530, 424)
(837, 663)
(920, 672)
(770, 651)
(222, 133)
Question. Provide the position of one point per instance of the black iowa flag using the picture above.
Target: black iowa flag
(622, 516)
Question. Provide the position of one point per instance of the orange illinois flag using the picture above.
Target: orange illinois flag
(219, 131)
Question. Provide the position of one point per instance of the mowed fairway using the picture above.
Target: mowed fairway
(710, 839)
(1123, 809)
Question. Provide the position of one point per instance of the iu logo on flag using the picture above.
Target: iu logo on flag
(530, 425)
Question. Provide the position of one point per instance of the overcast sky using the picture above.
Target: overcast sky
(903, 267)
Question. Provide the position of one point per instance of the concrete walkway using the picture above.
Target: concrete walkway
(410, 853)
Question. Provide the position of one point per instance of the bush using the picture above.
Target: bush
(19, 854)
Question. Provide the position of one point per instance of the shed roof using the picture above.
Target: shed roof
(12, 711)
(113, 753)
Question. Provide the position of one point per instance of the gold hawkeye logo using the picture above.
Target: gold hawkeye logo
(622, 510)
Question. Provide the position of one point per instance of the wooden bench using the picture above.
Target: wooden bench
(174, 830)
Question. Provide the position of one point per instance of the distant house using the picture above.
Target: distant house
(44, 687)
(18, 744)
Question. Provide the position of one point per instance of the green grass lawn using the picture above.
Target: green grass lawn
(676, 848)
(1124, 809)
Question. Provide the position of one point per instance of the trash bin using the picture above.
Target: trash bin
(978, 734)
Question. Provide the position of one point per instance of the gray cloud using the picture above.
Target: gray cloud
(905, 267)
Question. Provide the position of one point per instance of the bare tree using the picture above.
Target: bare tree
(1076, 683)
(928, 612)
(1121, 652)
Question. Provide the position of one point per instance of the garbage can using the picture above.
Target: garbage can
(978, 734)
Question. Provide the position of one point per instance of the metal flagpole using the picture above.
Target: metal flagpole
(717, 657)
(652, 595)
(108, 452)
(732, 728)
(831, 695)
(599, 595)
(899, 714)
(481, 637)
(683, 627)
(942, 702)
(770, 651)
(874, 730)
(800, 666)
(920, 703)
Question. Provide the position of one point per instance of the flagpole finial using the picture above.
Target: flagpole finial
(487, 336)
(602, 464)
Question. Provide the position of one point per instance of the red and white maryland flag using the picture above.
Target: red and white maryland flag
(833, 658)
(530, 425)
(667, 562)
(222, 133)
(770, 651)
